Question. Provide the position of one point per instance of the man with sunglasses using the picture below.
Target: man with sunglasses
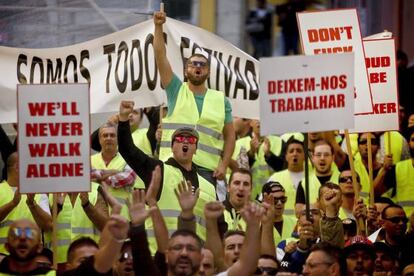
(267, 265)
(193, 104)
(178, 167)
(398, 180)
(283, 225)
(394, 222)
(24, 246)
(123, 265)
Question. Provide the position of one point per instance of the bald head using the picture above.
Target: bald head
(24, 224)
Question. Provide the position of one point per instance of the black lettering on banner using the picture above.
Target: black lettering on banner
(228, 76)
(122, 84)
(22, 59)
(71, 59)
(209, 51)
(83, 70)
(36, 61)
(249, 68)
(152, 83)
(50, 77)
(136, 83)
(240, 84)
(185, 44)
(108, 50)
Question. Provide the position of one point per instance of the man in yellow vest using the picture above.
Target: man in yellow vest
(193, 104)
(322, 159)
(291, 177)
(283, 225)
(399, 179)
(112, 168)
(16, 206)
(174, 170)
(238, 194)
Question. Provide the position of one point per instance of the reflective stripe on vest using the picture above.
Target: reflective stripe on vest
(209, 125)
(283, 177)
(404, 172)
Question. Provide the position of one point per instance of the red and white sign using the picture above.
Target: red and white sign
(306, 93)
(337, 31)
(381, 66)
(53, 138)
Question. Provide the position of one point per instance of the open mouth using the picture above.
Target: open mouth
(240, 195)
(185, 148)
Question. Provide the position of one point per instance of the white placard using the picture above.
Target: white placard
(381, 66)
(53, 138)
(306, 93)
(121, 66)
(337, 31)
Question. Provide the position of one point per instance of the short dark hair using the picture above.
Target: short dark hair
(230, 233)
(82, 241)
(376, 137)
(270, 257)
(323, 142)
(199, 55)
(329, 185)
(332, 252)
(188, 233)
(241, 171)
(388, 207)
(386, 200)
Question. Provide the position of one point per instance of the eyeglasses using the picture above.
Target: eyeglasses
(344, 179)
(373, 142)
(313, 265)
(320, 155)
(268, 270)
(189, 139)
(196, 63)
(29, 233)
(397, 220)
(125, 256)
(180, 247)
(281, 199)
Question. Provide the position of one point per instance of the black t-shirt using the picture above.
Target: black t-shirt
(4, 268)
(300, 192)
(278, 226)
(86, 268)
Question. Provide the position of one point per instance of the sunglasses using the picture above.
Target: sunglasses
(281, 199)
(344, 179)
(269, 270)
(189, 139)
(364, 142)
(29, 233)
(195, 63)
(125, 256)
(397, 220)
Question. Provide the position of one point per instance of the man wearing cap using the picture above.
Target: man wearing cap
(360, 256)
(283, 224)
(386, 260)
(173, 171)
(193, 104)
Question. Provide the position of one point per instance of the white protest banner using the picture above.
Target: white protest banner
(337, 31)
(54, 146)
(121, 66)
(306, 93)
(381, 66)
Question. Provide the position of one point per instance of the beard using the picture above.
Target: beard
(30, 255)
(196, 80)
(179, 272)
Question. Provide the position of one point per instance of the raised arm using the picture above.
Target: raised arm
(160, 52)
(187, 200)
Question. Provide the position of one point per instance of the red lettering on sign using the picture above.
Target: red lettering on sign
(54, 170)
(53, 129)
(375, 77)
(383, 108)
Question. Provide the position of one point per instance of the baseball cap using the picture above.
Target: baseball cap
(359, 243)
(272, 187)
(188, 131)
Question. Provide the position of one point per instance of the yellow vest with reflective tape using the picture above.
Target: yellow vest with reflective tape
(73, 223)
(117, 163)
(139, 136)
(170, 208)
(21, 211)
(234, 221)
(404, 173)
(289, 224)
(315, 184)
(363, 176)
(209, 126)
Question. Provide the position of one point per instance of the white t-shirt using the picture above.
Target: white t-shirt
(296, 178)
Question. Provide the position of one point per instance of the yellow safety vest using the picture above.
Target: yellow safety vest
(315, 184)
(234, 221)
(21, 211)
(283, 177)
(170, 208)
(404, 173)
(363, 176)
(139, 136)
(117, 163)
(73, 223)
(289, 224)
(209, 126)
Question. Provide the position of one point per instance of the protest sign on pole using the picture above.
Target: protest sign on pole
(306, 93)
(381, 66)
(337, 31)
(53, 138)
(121, 66)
